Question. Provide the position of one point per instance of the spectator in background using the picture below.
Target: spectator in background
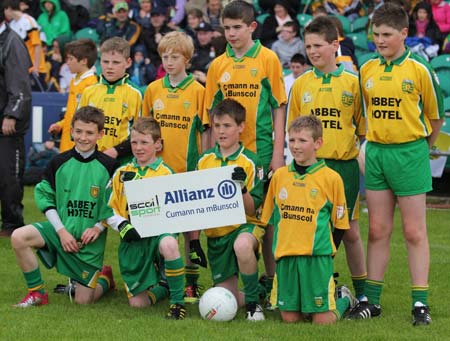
(441, 14)
(142, 71)
(194, 18)
(204, 52)
(348, 8)
(212, 12)
(271, 28)
(297, 65)
(54, 21)
(288, 44)
(27, 28)
(176, 15)
(15, 108)
(422, 24)
(151, 36)
(119, 26)
(142, 14)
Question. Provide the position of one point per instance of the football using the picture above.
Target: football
(218, 304)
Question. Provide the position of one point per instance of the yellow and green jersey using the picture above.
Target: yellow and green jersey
(179, 111)
(76, 88)
(335, 99)
(246, 159)
(400, 98)
(256, 81)
(118, 200)
(121, 103)
(306, 209)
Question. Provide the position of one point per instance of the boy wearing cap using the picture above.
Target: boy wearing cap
(119, 25)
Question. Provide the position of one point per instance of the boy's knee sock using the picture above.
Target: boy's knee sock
(250, 287)
(158, 293)
(175, 280)
(419, 294)
(358, 284)
(192, 275)
(34, 280)
(342, 304)
(373, 290)
(103, 281)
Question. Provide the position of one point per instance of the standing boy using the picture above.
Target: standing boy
(117, 96)
(73, 196)
(80, 57)
(331, 93)
(176, 102)
(403, 105)
(307, 201)
(234, 249)
(251, 74)
(138, 257)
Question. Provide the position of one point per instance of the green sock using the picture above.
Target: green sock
(175, 280)
(103, 281)
(192, 274)
(358, 284)
(419, 294)
(373, 290)
(34, 280)
(157, 293)
(342, 304)
(250, 287)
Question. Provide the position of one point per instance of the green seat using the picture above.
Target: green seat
(360, 24)
(88, 33)
(360, 42)
(303, 20)
(346, 24)
(260, 18)
(364, 57)
(441, 64)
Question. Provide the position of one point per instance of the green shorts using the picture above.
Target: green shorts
(305, 284)
(349, 172)
(403, 168)
(221, 256)
(138, 262)
(67, 263)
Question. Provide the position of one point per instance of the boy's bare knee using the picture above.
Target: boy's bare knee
(168, 248)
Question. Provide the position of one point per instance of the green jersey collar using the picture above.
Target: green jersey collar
(233, 156)
(335, 73)
(310, 170)
(154, 166)
(251, 53)
(397, 61)
(120, 81)
(182, 85)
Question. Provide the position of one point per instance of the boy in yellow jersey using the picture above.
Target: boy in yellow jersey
(80, 57)
(139, 257)
(28, 29)
(176, 102)
(233, 250)
(251, 74)
(403, 105)
(307, 201)
(117, 96)
(332, 93)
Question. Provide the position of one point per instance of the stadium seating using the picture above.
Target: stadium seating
(359, 24)
(360, 41)
(346, 23)
(303, 20)
(260, 18)
(441, 64)
(89, 33)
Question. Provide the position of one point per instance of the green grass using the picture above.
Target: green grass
(112, 319)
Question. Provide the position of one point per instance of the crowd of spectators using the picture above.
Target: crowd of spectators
(143, 22)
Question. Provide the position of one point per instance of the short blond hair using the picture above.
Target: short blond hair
(177, 41)
(310, 122)
(116, 44)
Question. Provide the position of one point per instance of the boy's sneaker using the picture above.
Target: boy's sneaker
(34, 298)
(107, 272)
(342, 291)
(191, 293)
(254, 312)
(364, 310)
(421, 316)
(68, 289)
(176, 312)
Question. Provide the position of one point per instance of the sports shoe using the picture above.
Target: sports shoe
(364, 310)
(192, 293)
(254, 312)
(342, 291)
(68, 289)
(33, 298)
(176, 312)
(107, 272)
(421, 316)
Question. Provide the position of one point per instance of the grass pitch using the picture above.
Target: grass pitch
(112, 319)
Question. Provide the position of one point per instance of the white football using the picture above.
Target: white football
(218, 304)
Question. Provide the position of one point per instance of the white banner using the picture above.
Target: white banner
(185, 202)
